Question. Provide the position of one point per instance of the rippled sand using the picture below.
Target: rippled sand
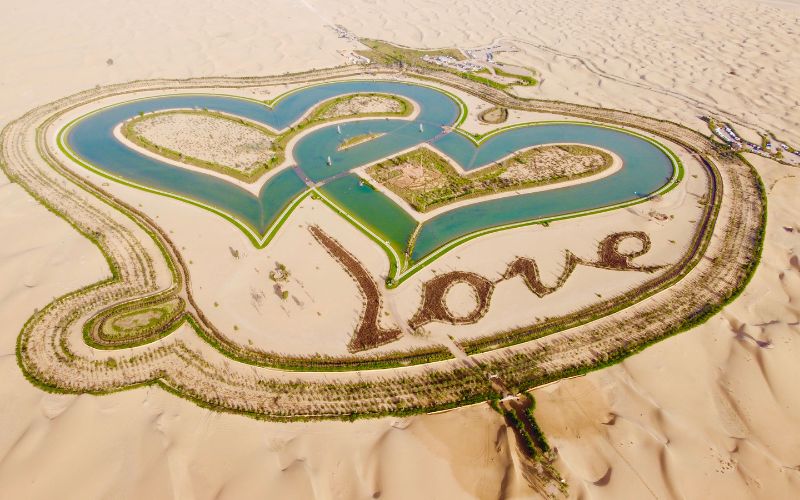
(710, 413)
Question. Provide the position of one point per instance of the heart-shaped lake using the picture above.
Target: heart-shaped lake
(323, 168)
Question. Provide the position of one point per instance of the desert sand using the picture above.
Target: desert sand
(709, 413)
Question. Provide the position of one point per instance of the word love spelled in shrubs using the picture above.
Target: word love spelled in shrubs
(609, 256)
(370, 334)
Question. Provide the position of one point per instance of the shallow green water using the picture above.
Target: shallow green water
(359, 198)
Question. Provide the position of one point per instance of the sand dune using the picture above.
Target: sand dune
(710, 413)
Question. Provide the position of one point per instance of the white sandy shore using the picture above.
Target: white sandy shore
(706, 414)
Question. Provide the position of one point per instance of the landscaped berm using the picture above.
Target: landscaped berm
(364, 251)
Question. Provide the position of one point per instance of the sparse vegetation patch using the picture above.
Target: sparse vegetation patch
(426, 180)
(363, 105)
(205, 139)
(494, 115)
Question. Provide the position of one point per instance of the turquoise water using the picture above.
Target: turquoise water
(360, 199)
(645, 167)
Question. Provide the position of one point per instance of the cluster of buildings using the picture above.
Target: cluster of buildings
(452, 62)
(343, 32)
(727, 134)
